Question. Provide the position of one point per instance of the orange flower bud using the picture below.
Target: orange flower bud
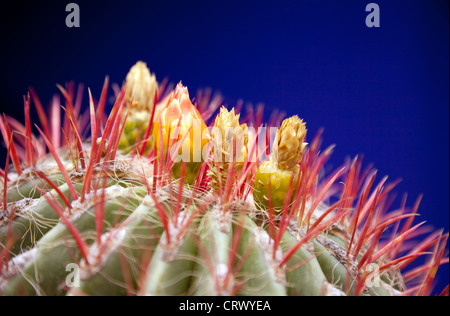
(180, 130)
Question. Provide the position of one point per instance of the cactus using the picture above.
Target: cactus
(154, 202)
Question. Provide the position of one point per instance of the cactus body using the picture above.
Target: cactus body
(127, 220)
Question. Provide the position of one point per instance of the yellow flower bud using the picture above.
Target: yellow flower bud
(229, 145)
(289, 144)
(274, 178)
(141, 87)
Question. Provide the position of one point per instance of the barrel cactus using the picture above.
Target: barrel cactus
(173, 195)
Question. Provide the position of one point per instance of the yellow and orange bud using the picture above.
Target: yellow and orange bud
(180, 130)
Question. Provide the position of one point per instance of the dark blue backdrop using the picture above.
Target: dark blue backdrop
(379, 92)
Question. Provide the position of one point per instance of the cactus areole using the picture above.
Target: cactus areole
(171, 194)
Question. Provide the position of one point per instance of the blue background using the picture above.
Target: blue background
(382, 92)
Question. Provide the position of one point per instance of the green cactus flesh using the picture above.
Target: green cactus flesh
(136, 257)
